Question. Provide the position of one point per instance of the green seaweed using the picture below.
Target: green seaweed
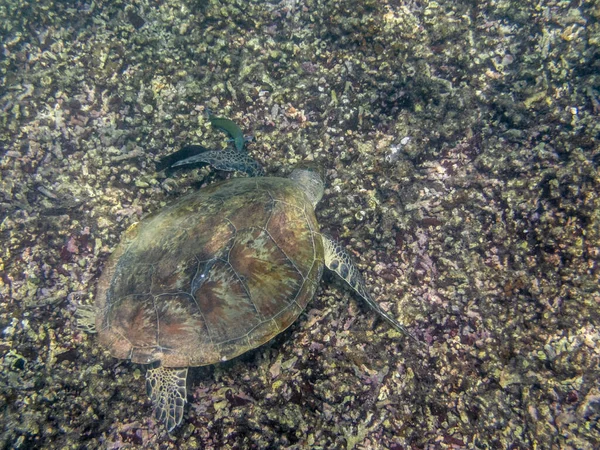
(231, 128)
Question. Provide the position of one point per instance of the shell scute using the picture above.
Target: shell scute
(290, 227)
(130, 324)
(225, 303)
(270, 277)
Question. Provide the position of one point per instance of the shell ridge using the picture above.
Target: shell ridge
(157, 333)
(230, 243)
(284, 253)
(116, 276)
(312, 238)
(247, 334)
(245, 287)
(191, 293)
(237, 275)
(273, 200)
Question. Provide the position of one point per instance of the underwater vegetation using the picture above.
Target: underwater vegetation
(460, 142)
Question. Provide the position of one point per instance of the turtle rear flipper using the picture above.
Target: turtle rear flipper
(339, 261)
(166, 388)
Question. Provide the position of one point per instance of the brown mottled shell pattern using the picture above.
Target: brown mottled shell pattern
(213, 275)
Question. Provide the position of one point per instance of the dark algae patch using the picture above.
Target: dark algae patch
(460, 147)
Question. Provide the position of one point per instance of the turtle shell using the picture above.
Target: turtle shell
(211, 276)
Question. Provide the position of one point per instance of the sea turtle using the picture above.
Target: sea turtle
(217, 273)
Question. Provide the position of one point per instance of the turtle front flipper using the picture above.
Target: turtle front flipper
(167, 162)
(229, 160)
(166, 388)
(339, 261)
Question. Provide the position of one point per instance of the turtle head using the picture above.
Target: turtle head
(309, 176)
